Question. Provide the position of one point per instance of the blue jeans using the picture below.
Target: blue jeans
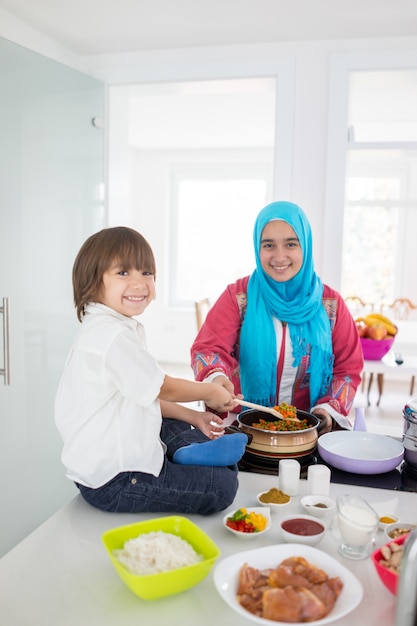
(178, 488)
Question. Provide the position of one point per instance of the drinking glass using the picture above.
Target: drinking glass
(358, 524)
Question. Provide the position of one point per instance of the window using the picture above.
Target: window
(203, 155)
(212, 227)
(380, 212)
(183, 131)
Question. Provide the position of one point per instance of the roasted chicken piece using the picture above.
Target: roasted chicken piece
(292, 605)
(295, 591)
(328, 592)
(252, 578)
(252, 584)
(297, 572)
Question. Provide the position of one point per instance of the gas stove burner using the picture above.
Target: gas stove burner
(263, 465)
(407, 468)
(403, 478)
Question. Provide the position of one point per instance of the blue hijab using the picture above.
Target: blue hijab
(298, 302)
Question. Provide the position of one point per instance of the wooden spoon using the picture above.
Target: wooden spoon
(266, 409)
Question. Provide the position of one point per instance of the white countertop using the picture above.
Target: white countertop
(60, 575)
(387, 365)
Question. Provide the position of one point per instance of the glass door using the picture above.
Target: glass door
(51, 186)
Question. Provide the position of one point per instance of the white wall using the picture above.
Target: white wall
(311, 94)
(312, 63)
(20, 33)
(306, 177)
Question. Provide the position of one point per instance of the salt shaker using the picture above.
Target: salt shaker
(318, 480)
(289, 476)
(359, 423)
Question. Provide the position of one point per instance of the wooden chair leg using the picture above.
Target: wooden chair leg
(371, 377)
(380, 379)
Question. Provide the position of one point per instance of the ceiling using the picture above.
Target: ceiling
(89, 27)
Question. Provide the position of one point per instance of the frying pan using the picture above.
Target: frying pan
(360, 452)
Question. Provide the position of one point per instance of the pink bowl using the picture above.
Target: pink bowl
(387, 576)
(375, 349)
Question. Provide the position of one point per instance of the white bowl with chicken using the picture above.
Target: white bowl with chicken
(230, 571)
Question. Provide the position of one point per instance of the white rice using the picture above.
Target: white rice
(154, 552)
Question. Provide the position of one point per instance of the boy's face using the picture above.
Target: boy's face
(127, 292)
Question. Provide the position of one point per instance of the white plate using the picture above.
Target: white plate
(226, 577)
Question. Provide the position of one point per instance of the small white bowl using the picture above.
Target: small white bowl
(318, 506)
(265, 511)
(304, 529)
(396, 528)
(274, 506)
(393, 520)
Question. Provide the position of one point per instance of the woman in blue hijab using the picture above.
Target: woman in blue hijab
(280, 335)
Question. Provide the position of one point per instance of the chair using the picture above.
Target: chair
(201, 309)
(399, 309)
(358, 307)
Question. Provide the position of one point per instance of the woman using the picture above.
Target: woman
(280, 335)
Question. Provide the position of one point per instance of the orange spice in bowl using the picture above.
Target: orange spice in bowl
(386, 520)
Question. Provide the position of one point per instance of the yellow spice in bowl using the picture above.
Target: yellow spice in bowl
(274, 496)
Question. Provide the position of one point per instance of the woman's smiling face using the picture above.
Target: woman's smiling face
(280, 251)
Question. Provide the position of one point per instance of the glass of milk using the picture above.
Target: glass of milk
(358, 524)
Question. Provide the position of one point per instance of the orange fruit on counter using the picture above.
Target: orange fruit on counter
(376, 331)
(362, 329)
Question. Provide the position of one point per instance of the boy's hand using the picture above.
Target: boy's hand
(218, 397)
(210, 424)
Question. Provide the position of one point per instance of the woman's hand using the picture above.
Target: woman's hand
(222, 380)
(326, 422)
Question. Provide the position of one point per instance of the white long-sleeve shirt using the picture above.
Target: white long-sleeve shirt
(107, 409)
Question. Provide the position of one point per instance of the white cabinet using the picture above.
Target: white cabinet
(51, 182)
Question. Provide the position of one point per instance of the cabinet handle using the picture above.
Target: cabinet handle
(6, 335)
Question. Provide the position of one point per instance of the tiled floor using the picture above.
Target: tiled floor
(385, 419)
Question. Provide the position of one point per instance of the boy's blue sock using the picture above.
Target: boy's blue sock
(226, 450)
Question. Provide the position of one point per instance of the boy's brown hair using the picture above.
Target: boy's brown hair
(118, 244)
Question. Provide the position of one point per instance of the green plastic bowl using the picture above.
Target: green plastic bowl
(170, 582)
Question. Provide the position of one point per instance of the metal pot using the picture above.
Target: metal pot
(284, 444)
(410, 433)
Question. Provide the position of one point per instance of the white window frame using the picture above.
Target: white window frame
(337, 147)
(174, 328)
(242, 167)
(282, 69)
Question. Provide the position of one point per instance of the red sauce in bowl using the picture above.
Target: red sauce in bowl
(300, 526)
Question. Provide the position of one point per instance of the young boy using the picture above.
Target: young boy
(128, 445)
